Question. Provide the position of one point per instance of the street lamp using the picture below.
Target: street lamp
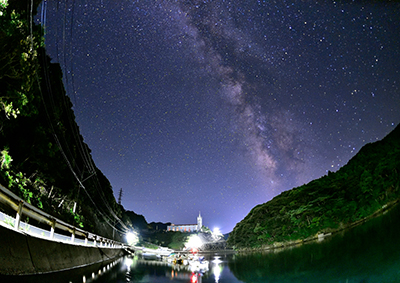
(132, 238)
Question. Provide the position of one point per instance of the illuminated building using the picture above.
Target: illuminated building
(187, 227)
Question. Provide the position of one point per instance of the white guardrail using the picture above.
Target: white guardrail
(78, 236)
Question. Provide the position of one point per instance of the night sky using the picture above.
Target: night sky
(218, 106)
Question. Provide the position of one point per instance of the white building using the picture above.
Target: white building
(187, 227)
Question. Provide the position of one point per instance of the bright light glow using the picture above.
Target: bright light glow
(132, 238)
(128, 262)
(217, 269)
(217, 231)
(194, 241)
(217, 260)
(194, 278)
(217, 234)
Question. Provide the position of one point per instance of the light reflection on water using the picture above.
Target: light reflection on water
(140, 270)
(368, 253)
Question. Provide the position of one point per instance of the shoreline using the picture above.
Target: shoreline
(322, 234)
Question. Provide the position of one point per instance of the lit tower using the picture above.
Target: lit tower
(199, 222)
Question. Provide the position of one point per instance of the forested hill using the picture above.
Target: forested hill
(368, 182)
(43, 156)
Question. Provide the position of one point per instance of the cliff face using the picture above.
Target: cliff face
(369, 181)
(43, 157)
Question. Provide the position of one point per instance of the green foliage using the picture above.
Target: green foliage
(205, 229)
(18, 181)
(3, 6)
(149, 245)
(9, 220)
(38, 129)
(370, 180)
(78, 219)
(178, 240)
(5, 160)
(18, 63)
(174, 240)
(31, 191)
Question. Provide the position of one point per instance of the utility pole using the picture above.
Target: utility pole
(120, 196)
(119, 202)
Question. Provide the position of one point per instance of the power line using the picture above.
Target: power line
(85, 155)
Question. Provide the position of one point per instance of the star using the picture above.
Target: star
(219, 106)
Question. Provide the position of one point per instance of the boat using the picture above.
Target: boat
(157, 254)
(177, 259)
(198, 263)
(150, 256)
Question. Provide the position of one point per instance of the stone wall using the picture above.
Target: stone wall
(24, 254)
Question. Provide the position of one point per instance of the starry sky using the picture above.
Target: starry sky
(217, 106)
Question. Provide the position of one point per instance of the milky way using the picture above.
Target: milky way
(217, 106)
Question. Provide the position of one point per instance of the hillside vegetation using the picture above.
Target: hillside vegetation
(365, 185)
(43, 158)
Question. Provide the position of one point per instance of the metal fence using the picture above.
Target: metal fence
(77, 235)
(9, 222)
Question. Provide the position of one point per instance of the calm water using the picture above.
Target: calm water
(367, 253)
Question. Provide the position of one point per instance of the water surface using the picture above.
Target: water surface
(366, 253)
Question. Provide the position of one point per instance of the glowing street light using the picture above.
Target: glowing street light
(132, 238)
(216, 234)
(194, 242)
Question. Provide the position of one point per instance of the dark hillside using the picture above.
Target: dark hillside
(369, 181)
(138, 221)
(43, 156)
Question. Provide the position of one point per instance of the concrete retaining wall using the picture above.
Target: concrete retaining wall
(23, 254)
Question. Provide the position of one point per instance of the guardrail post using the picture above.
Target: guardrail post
(27, 209)
(73, 235)
(18, 216)
(53, 227)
